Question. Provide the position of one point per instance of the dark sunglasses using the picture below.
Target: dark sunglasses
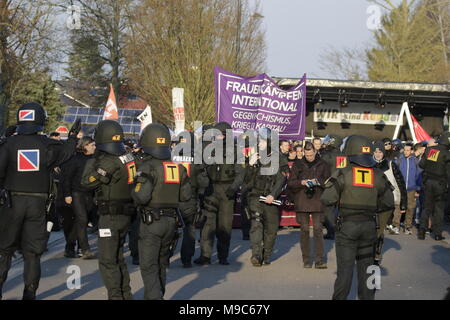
(387, 144)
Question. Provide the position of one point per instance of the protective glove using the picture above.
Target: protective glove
(76, 127)
(230, 193)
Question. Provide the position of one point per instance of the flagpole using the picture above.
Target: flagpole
(410, 123)
(400, 120)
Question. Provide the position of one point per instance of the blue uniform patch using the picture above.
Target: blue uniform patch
(26, 115)
(27, 160)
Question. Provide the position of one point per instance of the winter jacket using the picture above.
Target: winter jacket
(410, 171)
(385, 166)
(304, 170)
(71, 173)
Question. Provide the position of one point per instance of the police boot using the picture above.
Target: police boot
(224, 262)
(266, 261)
(202, 260)
(439, 237)
(421, 235)
(256, 261)
(29, 293)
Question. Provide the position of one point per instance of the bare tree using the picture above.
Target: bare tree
(347, 63)
(178, 46)
(26, 45)
(104, 21)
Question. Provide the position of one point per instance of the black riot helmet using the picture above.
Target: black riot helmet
(183, 136)
(333, 141)
(223, 127)
(186, 139)
(31, 118)
(358, 149)
(444, 139)
(264, 133)
(155, 141)
(108, 137)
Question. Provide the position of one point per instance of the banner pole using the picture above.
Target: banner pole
(410, 123)
(399, 121)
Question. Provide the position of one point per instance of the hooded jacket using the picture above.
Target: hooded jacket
(385, 165)
(410, 171)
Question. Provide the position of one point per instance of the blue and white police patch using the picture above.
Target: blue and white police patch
(27, 160)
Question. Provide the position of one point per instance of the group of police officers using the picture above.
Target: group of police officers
(167, 193)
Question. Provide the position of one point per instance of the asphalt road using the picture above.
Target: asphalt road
(412, 269)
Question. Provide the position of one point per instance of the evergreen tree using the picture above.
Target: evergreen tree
(85, 68)
(40, 88)
(408, 47)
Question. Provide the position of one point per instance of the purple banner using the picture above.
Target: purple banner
(256, 102)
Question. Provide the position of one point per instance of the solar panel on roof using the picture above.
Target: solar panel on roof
(72, 110)
(93, 119)
(91, 116)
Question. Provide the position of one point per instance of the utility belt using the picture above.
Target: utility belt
(148, 215)
(30, 194)
(356, 217)
(115, 208)
(223, 182)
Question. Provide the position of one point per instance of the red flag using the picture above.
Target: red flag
(111, 112)
(421, 134)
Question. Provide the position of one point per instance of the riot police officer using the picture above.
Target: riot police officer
(336, 160)
(26, 163)
(436, 179)
(199, 182)
(219, 204)
(111, 173)
(358, 189)
(264, 214)
(160, 186)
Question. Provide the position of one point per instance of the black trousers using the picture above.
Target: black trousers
(23, 226)
(113, 230)
(70, 233)
(218, 224)
(188, 244)
(245, 221)
(133, 236)
(435, 194)
(82, 204)
(154, 245)
(263, 232)
(355, 241)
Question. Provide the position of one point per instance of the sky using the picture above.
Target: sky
(297, 31)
